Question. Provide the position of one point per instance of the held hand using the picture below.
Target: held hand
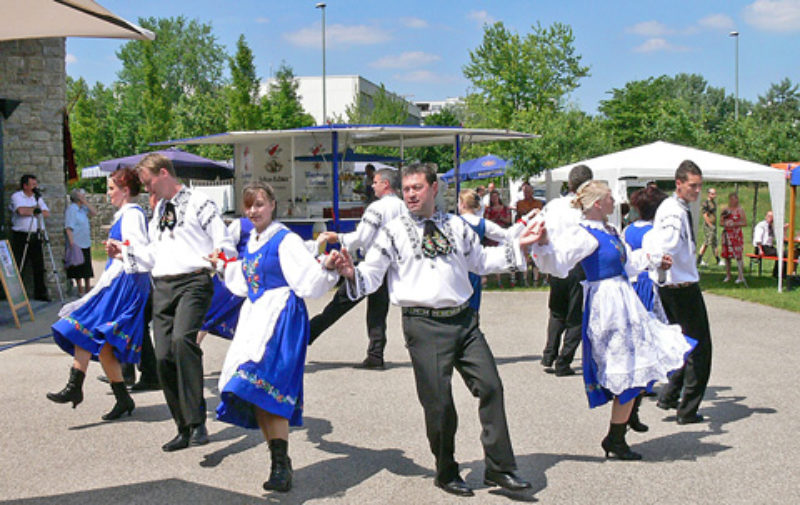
(534, 233)
(344, 264)
(213, 258)
(331, 237)
(113, 248)
(330, 260)
(666, 262)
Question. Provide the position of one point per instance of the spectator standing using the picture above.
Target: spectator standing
(733, 219)
(709, 211)
(78, 231)
(26, 206)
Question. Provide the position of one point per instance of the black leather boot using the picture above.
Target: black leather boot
(633, 421)
(124, 402)
(73, 391)
(615, 446)
(280, 475)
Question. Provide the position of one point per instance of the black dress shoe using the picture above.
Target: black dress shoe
(456, 486)
(181, 441)
(547, 362)
(667, 404)
(506, 480)
(697, 418)
(566, 372)
(371, 363)
(145, 386)
(199, 435)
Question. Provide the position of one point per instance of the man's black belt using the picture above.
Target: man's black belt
(179, 276)
(435, 313)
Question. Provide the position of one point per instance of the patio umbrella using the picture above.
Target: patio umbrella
(479, 168)
(35, 19)
(187, 165)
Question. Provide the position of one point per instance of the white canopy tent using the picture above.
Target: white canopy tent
(34, 19)
(659, 160)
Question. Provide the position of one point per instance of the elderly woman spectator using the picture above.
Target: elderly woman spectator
(76, 225)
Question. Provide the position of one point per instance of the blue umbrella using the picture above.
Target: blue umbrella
(186, 165)
(479, 168)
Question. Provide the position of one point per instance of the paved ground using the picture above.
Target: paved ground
(363, 439)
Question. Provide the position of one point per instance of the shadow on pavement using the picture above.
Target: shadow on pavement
(144, 493)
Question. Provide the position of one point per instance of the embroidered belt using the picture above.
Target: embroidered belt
(436, 313)
(180, 276)
(679, 285)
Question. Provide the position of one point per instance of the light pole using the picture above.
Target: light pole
(735, 35)
(321, 5)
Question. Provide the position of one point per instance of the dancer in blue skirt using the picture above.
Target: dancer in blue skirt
(625, 348)
(108, 322)
(261, 383)
(223, 314)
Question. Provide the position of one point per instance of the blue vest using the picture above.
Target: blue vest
(262, 268)
(608, 260)
(244, 236)
(116, 230)
(635, 234)
(475, 279)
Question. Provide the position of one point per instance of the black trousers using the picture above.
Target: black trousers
(179, 304)
(34, 259)
(772, 251)
(147, 363)
(566, 317)
(377, 309)
(436, 347)
(686, 307)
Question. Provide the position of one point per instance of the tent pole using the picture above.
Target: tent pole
(755, 202)
(402, 152)
(335, 182)
(294, 176)
(790, 239)
(457, 171)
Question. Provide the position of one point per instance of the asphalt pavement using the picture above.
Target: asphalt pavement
(363, 439)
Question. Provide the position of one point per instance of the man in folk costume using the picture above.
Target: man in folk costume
(185, 229)
(426, 256)
(385, 184)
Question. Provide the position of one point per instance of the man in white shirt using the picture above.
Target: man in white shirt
(426, 256)
(485, 199)
(764, 240)
(185, 229)
(673, 233)
(385, 184)
(566, 295)
(27, 205)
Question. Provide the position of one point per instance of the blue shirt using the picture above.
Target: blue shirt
(77, 219)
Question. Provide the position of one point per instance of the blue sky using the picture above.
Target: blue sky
(418, 48)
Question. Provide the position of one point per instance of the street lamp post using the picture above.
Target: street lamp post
(735, 35)
(321, 6)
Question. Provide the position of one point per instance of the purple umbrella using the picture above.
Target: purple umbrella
(187, 165)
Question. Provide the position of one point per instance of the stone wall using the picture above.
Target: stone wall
(101, 222)
(34, 71)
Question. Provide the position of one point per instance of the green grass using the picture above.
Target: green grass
(99, 252)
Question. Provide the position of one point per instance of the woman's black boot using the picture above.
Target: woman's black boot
(615, 446)
(124, 402)
(634, 422)
(73, 391)
(280, 475)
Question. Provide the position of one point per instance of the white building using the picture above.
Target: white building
(342, 91)
(428, 107)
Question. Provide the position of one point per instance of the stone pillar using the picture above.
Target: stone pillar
(34, 71)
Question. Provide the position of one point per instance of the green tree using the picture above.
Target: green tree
(510, 73)
(90, 123)
(281, 108)
(381, 108)
(244, 113)
(780, 103)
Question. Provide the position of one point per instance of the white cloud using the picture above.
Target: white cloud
(482, 17)
(337, 35)
(774, 15)
(262, 20)
(650, 29)
(423, 76)
(410, 22)
(70, 58)
(717, 22)
(405, 60)
(658, 44)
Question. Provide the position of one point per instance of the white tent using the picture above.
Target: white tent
(658, 161)
(25, 19)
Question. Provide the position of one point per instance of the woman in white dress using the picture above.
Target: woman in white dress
(261, 383)
(625, 348)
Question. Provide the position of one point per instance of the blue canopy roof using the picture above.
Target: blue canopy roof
(479, 168)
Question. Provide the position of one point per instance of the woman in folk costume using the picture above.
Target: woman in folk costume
(108, 322)
(223, 314)
(625, 348)
(261, 383)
